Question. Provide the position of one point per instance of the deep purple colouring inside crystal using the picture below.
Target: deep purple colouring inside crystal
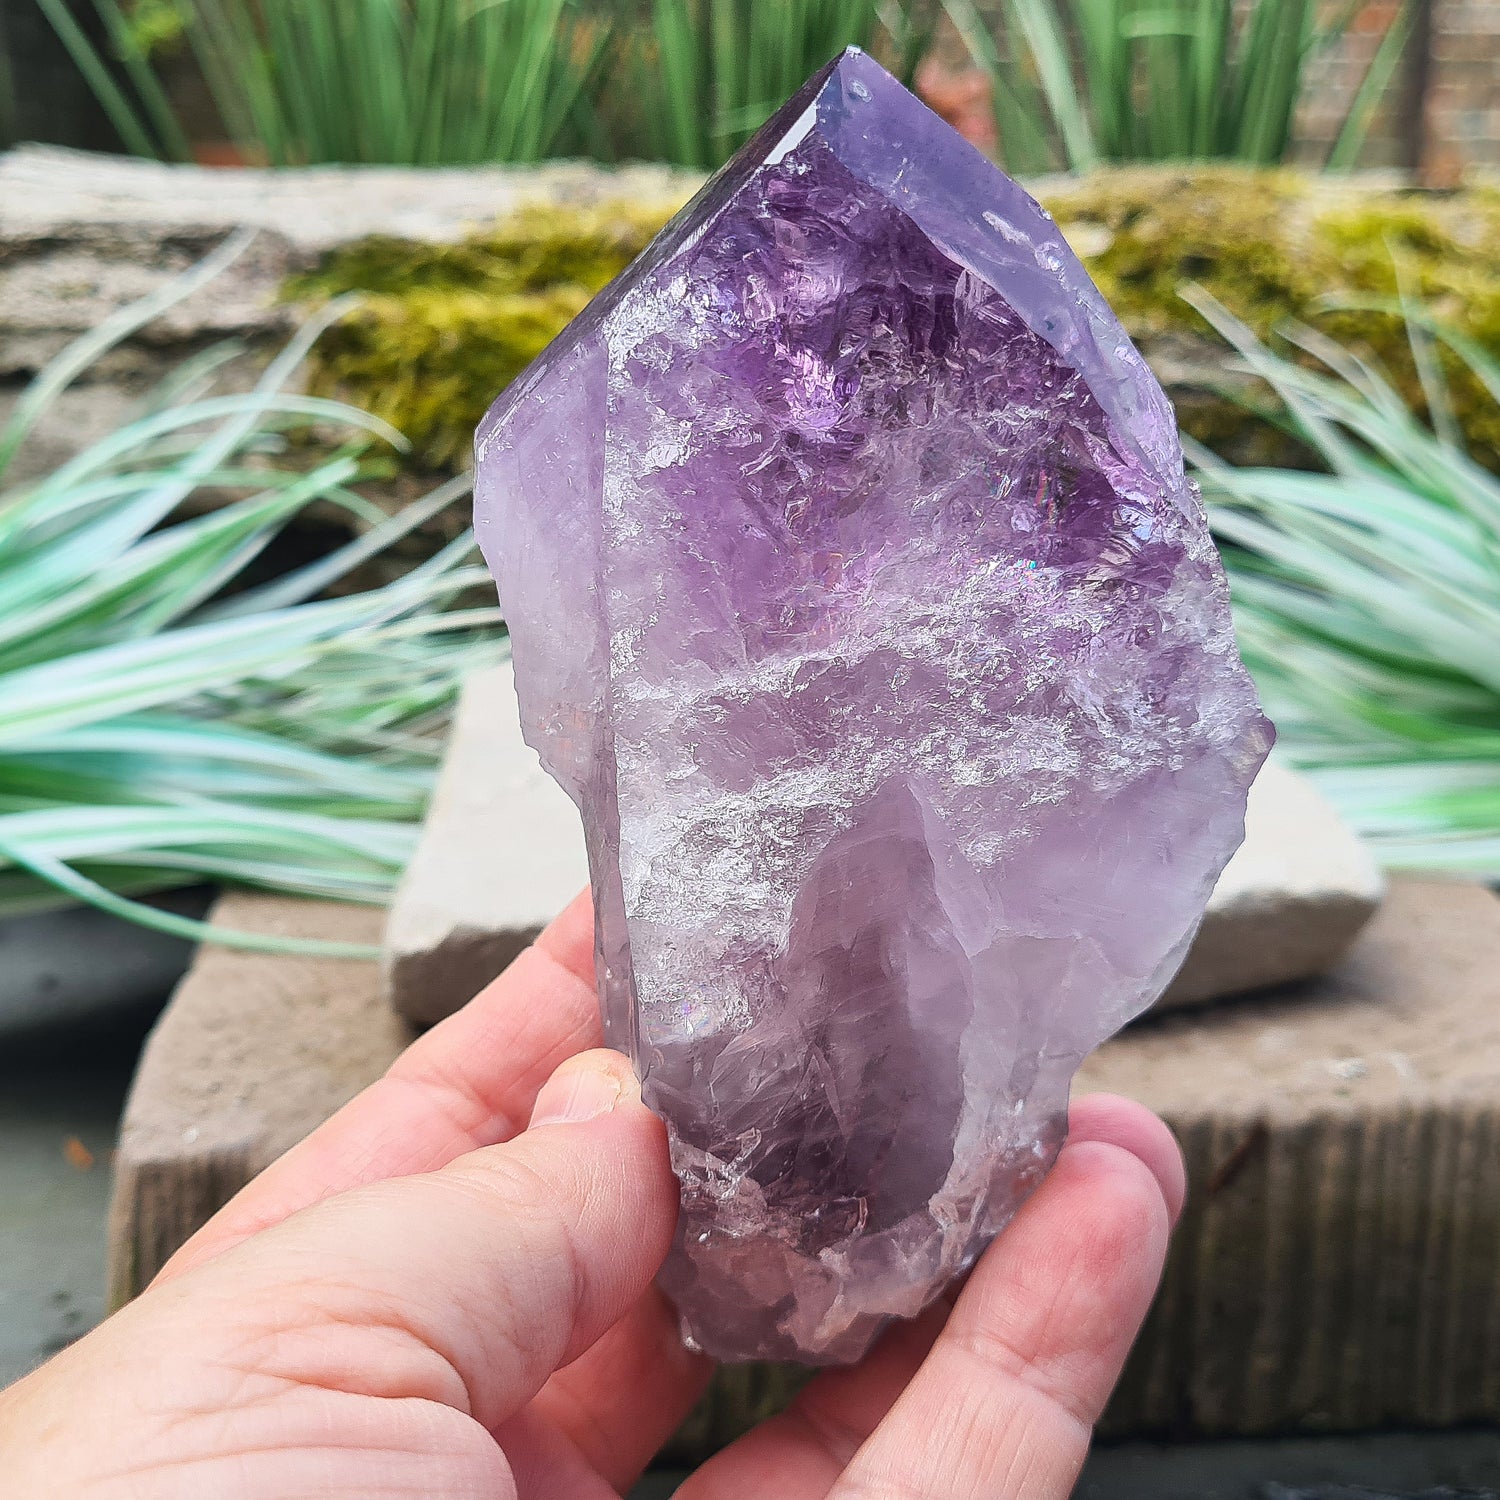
(858, 598)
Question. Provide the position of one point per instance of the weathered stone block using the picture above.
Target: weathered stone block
(1289, 903)
(500, 856)
(1336, 1265)
(252, 1053)
(1334, 1269)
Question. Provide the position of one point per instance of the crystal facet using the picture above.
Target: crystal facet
(859, 600)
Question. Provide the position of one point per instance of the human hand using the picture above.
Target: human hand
(425, 1300)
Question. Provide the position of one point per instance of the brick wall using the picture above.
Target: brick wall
(1462, 107)
(1441, 114)
(1332, 82)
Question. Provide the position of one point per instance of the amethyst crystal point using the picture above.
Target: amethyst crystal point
(859, 600)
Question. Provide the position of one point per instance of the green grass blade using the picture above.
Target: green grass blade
(147, 743)
(1367, 604)
(148, 87)
(123, 115)
(1038, 23)
(1349, 142)
(89, 892)
(118, 326)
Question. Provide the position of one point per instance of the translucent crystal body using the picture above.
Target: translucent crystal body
(858, 598)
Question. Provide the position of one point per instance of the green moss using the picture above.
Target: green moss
(1446, 250)
(1273, 246)
(430, 361)
(1144, 233)
(446, 327)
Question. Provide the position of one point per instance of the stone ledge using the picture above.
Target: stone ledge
(252, 1053)
(500, 855)
(49, 193)
(1334, 1269)
(82, 235)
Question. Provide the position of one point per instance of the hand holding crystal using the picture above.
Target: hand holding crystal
(431, 1298)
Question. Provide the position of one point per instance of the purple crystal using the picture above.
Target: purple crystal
(859, 600)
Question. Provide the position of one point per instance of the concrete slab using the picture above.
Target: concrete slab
(58, 1108)
(59, 968)
(500, 855)
(1289, 903)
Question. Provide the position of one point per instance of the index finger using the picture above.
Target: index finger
(469, 1082)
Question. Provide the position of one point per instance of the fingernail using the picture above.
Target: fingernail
(583, 1088)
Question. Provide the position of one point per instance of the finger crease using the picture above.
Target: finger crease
(475, 1118)
(837, 1439)
(997, 1356)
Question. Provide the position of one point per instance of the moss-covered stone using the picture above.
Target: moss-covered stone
(429, 360)
(446, 326)
(1275, 247)
(1143, 233)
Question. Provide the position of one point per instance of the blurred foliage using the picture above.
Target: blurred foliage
(155, 26)
(706, 74)
(1366, 588)
(1077, 83)
(446, 327)
(433, 82)
(165, 717)
(1073, 83)
(412, 82)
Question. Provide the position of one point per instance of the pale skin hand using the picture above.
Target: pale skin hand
(425, 1301)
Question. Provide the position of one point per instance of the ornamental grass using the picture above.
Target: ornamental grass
(164, 723)
(1367, 592)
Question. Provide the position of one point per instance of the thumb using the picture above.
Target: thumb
(469, 1285)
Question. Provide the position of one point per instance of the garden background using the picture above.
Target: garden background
(270, 261)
